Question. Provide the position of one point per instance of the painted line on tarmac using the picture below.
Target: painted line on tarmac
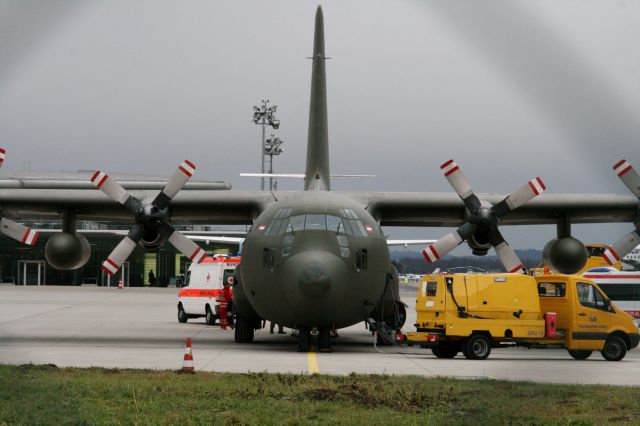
(313, 363)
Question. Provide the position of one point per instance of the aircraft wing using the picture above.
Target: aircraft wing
(443, 209)
(242, 207)
(188, 207)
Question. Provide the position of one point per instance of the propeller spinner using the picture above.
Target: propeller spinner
(624, 245)
(14, 229)
(484, 218)
(150, 218)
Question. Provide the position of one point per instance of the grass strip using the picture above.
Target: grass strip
(49, 395)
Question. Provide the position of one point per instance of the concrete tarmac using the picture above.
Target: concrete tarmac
(138, 328)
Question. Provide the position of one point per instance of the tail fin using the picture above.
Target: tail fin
(317, 171)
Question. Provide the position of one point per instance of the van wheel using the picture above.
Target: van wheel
(209, 317)
(580, 355)
(614, 349)
(478, 346)
(446, 350)
(243, 333)
(182, 315)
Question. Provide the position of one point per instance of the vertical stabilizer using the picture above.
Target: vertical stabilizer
(317, 170)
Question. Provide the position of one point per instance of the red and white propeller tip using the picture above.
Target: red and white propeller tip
(441, 247)
(456, 179)
(118, 256)
(113, 189)
(181, 176)
(187, 247)
(622, 167)
(2, 155)
(18, 232)
(628, 176)
(621, 247)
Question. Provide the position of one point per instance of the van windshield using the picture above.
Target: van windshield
(187, 278)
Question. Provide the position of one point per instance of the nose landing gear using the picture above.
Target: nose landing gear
(324, 339)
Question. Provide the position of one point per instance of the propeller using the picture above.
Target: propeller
(624, 245)
(13, 229)
(151, 219)
(483, 220)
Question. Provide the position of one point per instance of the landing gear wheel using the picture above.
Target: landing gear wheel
(478, 346)
(182, 315)
(324, 340)
(244, 331)
(304, 340)
(209, 317)
(446, 350)
(614, 349)
(580, 355)
(402, 315)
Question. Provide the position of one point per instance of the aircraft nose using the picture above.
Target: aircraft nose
(314, 278)
(313, 274)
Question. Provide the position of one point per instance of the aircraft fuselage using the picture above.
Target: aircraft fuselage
(320, 260)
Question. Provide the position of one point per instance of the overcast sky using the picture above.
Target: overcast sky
(511, 90)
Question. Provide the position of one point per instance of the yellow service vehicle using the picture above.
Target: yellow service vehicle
(474, 312)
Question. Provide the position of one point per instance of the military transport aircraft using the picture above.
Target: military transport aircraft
(317, 258)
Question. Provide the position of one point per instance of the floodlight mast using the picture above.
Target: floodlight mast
(271, 148)
(264, 115)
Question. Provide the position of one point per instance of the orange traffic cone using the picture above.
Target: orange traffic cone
(187, 364)
(120, 284)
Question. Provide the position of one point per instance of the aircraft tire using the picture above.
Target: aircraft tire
(477, 347)
(304, 340)
(614, 349)
(182, 315)
(244, 332)
(210, 317)
(579, 355)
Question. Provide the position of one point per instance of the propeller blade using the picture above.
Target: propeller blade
(175, 184)
(115, 191)
(2, 155)
(520, 197)
(622, 247)
(186, 246)
(507, 256)
(628, 176)
(18, 232)
(447, 243)
(460, 184)
(122, 251)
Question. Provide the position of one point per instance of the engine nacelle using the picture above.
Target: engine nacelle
(478, 245)
(67, 251)
(152, 240)
(566, 255)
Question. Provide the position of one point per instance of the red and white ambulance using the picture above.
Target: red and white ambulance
(204, 282)
(622, 287)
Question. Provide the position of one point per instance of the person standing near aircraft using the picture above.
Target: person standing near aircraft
(223, 299)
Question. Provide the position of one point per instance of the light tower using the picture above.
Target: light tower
(271, 148)
(264, 115)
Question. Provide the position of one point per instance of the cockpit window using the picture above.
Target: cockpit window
(315, 222)
(296, 223)
(334, 223)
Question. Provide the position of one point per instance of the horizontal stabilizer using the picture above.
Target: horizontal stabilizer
(301, 175)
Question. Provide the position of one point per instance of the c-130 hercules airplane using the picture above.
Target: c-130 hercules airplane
(317, 258)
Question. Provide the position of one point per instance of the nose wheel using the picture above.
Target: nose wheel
(304, 340)
(324, 339)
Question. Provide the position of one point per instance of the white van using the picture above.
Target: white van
(203, 283)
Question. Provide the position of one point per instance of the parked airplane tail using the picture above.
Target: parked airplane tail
(317, 169)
